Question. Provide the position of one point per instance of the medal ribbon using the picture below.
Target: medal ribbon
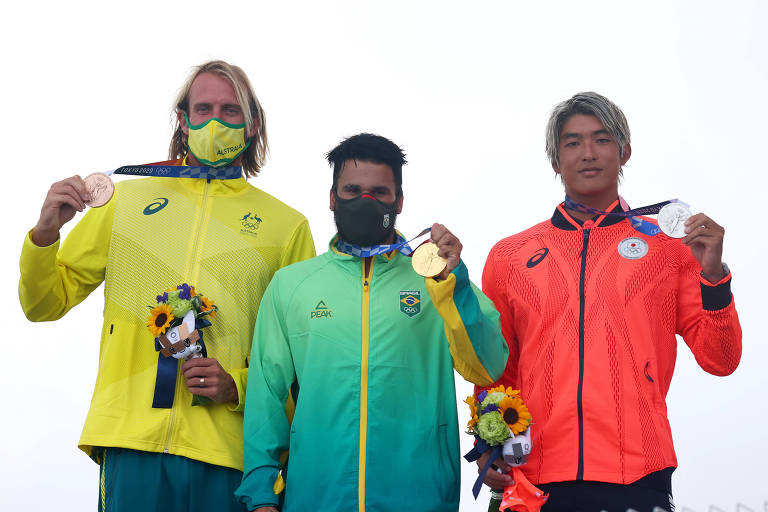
(643, 226)
(180, 171)
(374, 250)
(481, 446)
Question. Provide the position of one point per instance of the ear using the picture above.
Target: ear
(399, 206)
(555, 167)
(333, 200)
(627, 153)
(182, 122)
(254, 129)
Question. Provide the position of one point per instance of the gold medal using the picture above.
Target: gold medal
(426, 262)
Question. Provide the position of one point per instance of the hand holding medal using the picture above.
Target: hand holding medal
(438, 257)
(705, 238)
(703, 235)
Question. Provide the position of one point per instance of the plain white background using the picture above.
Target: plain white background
(465, 88)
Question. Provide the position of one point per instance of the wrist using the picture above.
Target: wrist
(717, 275)
(43, 237)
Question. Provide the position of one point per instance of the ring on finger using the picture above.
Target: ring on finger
(202, 381)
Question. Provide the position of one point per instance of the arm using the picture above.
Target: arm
(706, 315)
(494, 286)
(55, 279)
(266, 430)
(471, 326)
(708, 322)
(299, 248)
(471, 323)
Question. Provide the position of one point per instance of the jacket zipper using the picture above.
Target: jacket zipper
(364, 385)
(179, 382)
(579, 393)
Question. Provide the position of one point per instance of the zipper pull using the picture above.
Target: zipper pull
(647, 375)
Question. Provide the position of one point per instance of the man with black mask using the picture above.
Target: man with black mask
(366, 347)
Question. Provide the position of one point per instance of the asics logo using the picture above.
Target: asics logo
(159, 204)
(537, 257)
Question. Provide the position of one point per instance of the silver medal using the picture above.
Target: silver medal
(672, 219)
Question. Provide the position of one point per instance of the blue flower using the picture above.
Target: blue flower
(162, 298)
(184, 293)
(489, 408)
(482, 395)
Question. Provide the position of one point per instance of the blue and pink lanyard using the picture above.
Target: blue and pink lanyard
(641, 225)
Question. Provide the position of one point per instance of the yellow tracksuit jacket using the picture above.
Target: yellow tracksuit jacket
(226, 238)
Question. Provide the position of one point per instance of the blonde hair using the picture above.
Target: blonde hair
(255, 154)
(590, 104)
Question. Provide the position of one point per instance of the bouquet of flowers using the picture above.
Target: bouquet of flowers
(175, 322)
(500, 422)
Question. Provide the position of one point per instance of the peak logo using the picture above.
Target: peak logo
(251, 224)
(537, 257)
(321, 311)
(156, 206)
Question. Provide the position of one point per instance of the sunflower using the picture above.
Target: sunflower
(160, 319)
(208, 305)
(470, 401)
(515, 414)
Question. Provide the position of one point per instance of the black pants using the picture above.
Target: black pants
(599, 496)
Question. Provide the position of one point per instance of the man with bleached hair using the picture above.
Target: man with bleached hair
(204, 234)
(590, 303)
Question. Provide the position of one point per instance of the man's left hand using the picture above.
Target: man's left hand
(705, 238)
(206, 377)
(448, 247)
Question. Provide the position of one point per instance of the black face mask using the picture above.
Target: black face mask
(364, 220)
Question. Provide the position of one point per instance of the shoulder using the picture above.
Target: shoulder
(504, 247)
(297, 273)
(271, 204)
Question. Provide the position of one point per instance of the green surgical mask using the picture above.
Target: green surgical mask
(215, 142)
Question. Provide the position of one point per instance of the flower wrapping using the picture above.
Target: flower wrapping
(500, 422)
(176, 323)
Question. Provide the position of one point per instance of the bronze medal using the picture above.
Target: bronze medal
(100, 188)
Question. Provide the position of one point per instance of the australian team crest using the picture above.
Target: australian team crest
(410, 302)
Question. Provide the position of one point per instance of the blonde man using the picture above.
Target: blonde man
(156, 450)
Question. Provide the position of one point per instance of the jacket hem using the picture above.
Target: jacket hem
(87, 445)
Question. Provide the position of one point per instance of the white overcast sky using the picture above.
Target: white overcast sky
(465, 88)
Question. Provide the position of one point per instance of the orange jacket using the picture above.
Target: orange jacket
(590, 314)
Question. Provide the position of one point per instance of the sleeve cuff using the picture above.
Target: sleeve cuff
(240, 377)
(30, 245)
(460, 273)
(717, 296)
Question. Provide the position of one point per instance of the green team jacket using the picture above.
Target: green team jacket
(375, 425)
(227, 238)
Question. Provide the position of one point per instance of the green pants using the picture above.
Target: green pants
(131, 481)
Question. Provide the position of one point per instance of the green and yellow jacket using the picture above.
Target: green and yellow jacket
(226, 238)
(375, 425)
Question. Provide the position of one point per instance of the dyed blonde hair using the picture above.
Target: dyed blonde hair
(591, 104)
(255, 154)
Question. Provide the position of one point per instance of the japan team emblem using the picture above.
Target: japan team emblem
(633, 248)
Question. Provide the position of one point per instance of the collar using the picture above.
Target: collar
(562, 219)
(214, 187)
(385, 257)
